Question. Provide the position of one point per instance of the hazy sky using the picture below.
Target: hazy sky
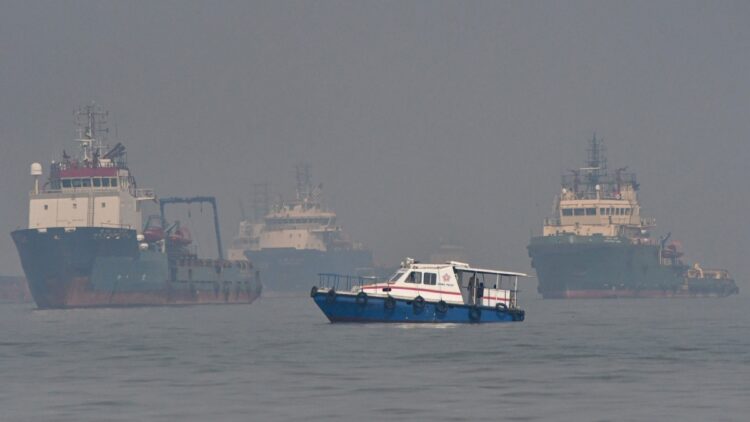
(424, 120)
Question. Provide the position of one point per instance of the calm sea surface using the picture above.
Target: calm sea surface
(278, 359)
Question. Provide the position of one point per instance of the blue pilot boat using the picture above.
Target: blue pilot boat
(453, 292)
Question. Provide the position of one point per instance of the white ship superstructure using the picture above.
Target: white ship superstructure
(291, 241)
(94, 190)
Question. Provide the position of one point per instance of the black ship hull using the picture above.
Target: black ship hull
(570, 266)
(104, 267)
(294, 270)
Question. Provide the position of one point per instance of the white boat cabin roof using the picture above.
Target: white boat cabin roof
(410, 264)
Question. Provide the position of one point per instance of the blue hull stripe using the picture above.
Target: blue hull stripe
(344, 308)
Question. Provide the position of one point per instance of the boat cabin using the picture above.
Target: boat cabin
(452, 282)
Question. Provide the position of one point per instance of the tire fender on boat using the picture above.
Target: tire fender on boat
(501, 307)
(441, 307)
(389, 303)
(361, 299)
(313, 291)
(418, 303)
(331, 296)
(475, 314)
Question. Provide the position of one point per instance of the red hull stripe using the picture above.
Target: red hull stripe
(606, 294)
(377, 287)
(410, 288)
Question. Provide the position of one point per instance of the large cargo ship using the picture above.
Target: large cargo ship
(85, 246)
(597, 245)
(290, 242)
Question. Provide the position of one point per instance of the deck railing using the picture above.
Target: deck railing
(343, 282)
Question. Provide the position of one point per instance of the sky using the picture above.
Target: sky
(425, 121)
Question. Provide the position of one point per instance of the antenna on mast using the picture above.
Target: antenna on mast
(91, 121)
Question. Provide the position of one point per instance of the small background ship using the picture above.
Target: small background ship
(290, 242)
(597, 245)
(84, 246)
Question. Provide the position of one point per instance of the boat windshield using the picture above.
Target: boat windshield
(396, 276)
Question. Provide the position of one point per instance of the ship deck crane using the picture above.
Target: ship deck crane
(195, 199)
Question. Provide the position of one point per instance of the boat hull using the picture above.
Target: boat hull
(345, 307)
(290, 270)
(570, 266)
(103, 267)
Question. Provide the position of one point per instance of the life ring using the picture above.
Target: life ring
(389, 303)
(475, 314)
(331, 296)
(361, 299)
(313, 291)
(441, 307)
(418, 303)
(501, 307)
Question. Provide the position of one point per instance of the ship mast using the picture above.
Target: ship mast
(596, 164)
(91, 120)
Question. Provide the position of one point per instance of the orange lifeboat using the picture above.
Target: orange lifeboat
(153, 234)
(181, 236)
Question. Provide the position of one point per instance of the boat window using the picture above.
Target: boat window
(97, 182)
(567, 212)
(66, 183)
(105, 182)
(86, 183)
(578, 211)
(396, 276)
(602, 211)
(590, 211)
(76, 183)
(627, 211)
(430, 278)
(113, 182)
(414, 277)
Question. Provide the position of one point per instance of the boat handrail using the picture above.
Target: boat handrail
(343, 282)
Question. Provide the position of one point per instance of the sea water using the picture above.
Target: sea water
(280, 360)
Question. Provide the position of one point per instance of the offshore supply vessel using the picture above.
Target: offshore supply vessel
(290, 242)
(85, 245)
(597, 245)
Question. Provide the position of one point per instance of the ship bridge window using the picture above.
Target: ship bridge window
(414, 277)
(97, 182)
(86, 183)
(66, 183)
(567, 212)
(430, 278)
(105, 182)
(590, 211)
(76, 183)
(578, 211)
(113, 182)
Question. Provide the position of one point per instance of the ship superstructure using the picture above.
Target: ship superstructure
(292, 241)
(85, 245)
(597, 244)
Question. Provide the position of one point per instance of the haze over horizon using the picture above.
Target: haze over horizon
(425, 121)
